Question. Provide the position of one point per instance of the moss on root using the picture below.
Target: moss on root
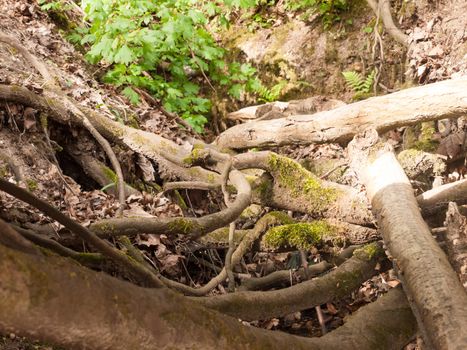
(300, 235)
(368, 251)
(299, 181)
(181, 225)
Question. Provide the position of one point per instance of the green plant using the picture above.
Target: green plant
(359, 84)
(271, 94)
(165, 47)
(329, 10)
(47, 5)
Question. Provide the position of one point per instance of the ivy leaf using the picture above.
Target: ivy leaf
(124, 55)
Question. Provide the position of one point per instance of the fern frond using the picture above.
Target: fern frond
(354, 80)
(369, 80)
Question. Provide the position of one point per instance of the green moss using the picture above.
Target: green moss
(281, 217)
(43, 119)
(90, 258)
(426, 141)
(32, 184)
(211, 178)
(181, 225)
(368, 251)
(103, 227)
(264, 190)
(109, 174)
(299, 181)
(180, 200)
(300, 235)
(195, 154)
(4, 171)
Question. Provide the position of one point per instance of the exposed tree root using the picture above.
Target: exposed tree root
(383, 8)
(120, 258)
(456, 241)
(288, 277)
(262, 305)
(140, 318)
(437, 297)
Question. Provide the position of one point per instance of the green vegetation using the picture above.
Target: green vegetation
(329, 10)
(301, 235)
(168, 48)
(359, 84)
(299, 181)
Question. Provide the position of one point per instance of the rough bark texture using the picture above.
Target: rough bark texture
(456, 241)
(55, 300)
(447, 99)
(438, 299)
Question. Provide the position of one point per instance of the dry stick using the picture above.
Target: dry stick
(319, 312)
(50, 82)
(89, 237)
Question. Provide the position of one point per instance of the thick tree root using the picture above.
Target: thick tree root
(437, 297)
(39, 304)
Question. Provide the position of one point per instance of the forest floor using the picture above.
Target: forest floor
(23, 141)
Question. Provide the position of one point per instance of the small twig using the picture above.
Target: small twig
(202, 70)
(325, 175)
(319, 312)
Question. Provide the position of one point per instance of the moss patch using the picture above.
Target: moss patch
(299, 181)
(32, 185)
(181, 225)
(368, 251)
(300, 235)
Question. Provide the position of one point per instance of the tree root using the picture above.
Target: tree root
(120, 258)
(383, 8)
(438, 299)
(336, 284)
(43, 302)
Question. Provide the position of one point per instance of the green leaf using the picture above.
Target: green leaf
(124, 55)
(131, 94)
(235, 90)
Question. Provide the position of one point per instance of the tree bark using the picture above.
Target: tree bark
(55, 300)
(446, 99)
(438, 299)
(456, 241)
